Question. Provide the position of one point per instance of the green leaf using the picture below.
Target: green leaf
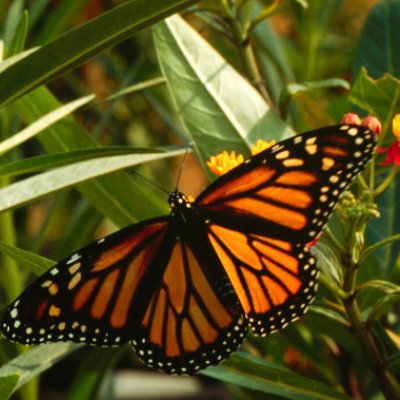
(302, 3)
(19, 38)
(79, 230)
(12, 19)
(328, 313)
(31, 261)
(119, 197)
(36, 360)
(40, 163)
(254, 373)
(393, 363)
(42, 123)
(137, 87)
(219, 108)
(60, 19)
(328, 262)
(385, 227)
(327, 323)
(379, 41)
(9, 62)
(383, 305)
(90, 374)
(69, 50)
(26, 190)
(273, 58)
(7, 386)
(380, 97)
(293, 89)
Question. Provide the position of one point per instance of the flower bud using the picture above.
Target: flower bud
(373, 123)
(351, 118)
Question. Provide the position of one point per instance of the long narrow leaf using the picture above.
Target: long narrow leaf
(33, 362)
(29, 189)
(110, 28)
(42, 123)
(34, 262)
(253, 373)
(123, 199)
(40, 163)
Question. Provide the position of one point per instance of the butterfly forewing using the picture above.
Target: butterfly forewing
(95, 296)
(290, 189)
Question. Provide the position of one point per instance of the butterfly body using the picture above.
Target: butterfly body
(185, 288)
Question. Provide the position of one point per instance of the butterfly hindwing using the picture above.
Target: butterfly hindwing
(189, 324)
(274, 280)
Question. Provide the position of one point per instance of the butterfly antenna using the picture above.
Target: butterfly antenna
(189, 146)
(149, 181)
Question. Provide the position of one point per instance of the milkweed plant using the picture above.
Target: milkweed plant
(94, 95)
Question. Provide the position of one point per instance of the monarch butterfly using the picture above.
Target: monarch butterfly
(185, 288)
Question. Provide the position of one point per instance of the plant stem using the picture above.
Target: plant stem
(374, 359)
(251, 68)
(10, 275)
(387, 181)
(376, 245)
(241, 31)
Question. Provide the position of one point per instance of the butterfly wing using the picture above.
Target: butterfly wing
(261, 215)
(192, 321)
(96, 296)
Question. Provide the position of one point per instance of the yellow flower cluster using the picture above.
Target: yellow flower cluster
(223, 162)
(396, 126)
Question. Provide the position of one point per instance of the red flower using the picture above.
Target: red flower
(393, 152)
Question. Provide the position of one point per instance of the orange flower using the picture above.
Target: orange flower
(393, 151)
(224, 162)
(261, 145)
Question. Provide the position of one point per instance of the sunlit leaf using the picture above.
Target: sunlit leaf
(27, 190)
(219, 108)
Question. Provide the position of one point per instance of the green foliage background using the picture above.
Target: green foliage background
(222, 74)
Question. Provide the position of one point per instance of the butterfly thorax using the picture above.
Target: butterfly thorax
(182, 210)
(179, 203)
